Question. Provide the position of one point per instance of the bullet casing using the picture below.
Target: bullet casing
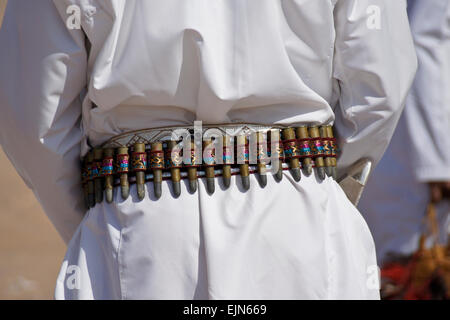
(122, 170)
(139, 166)
(327, 151)
(305, 149)
(192, 170)
(261, 158)
(317, 150)
(243, 155)
(209, 159)
(174, 160)
(228, 159)
(108, 171)
(330, 134)
(276, 151)
(156, 164)
(292, 152)
(98, 180)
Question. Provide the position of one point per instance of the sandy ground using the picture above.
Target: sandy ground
(31, 251)
(2, 10)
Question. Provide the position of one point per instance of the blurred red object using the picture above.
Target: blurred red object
(423, 276)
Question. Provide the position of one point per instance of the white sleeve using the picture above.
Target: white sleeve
(375, 63)
(427, 110)
(42, 75)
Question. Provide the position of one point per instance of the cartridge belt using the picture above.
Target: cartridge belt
(157, 154)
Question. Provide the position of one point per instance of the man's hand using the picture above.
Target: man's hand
(439, 191)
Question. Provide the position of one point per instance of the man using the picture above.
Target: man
(142, 65)
(416, 168)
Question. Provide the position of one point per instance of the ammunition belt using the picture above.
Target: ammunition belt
(156, 155)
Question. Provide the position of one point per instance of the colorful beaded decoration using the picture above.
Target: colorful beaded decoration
(96, 169)
(139, 161)
(279, 150)
(209, 156)
(333, 146)
(193, 160)
(327, 149)
(317, 147)
(305, 148)
(107, 166)
(122, 163)
(228, 155)
(291, 148)
(90, 171)
(261, 154)
(156, 160)
(173, 158)
(242, 153)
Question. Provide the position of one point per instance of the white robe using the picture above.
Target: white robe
(395, 200)
(156, 63)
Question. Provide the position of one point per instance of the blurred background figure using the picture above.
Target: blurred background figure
(415, 170)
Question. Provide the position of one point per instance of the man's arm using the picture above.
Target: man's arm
(375, 65)
(42, 73)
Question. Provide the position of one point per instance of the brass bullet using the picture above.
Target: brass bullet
(90, 182)
(139, 165)
(242, 147)
(156, 164)
(292, 152)
(305, 149)
(210, 160)
(333, 150)
(262, 158)
(275, 135)
(327, 151)
(98, 183)
(108, 171)
(192, 170)
(228, 160)
(122, 170)
(317, 151)
(174, 161)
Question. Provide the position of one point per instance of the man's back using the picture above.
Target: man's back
(134, 65)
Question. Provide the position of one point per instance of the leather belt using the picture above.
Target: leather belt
(205, 151)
